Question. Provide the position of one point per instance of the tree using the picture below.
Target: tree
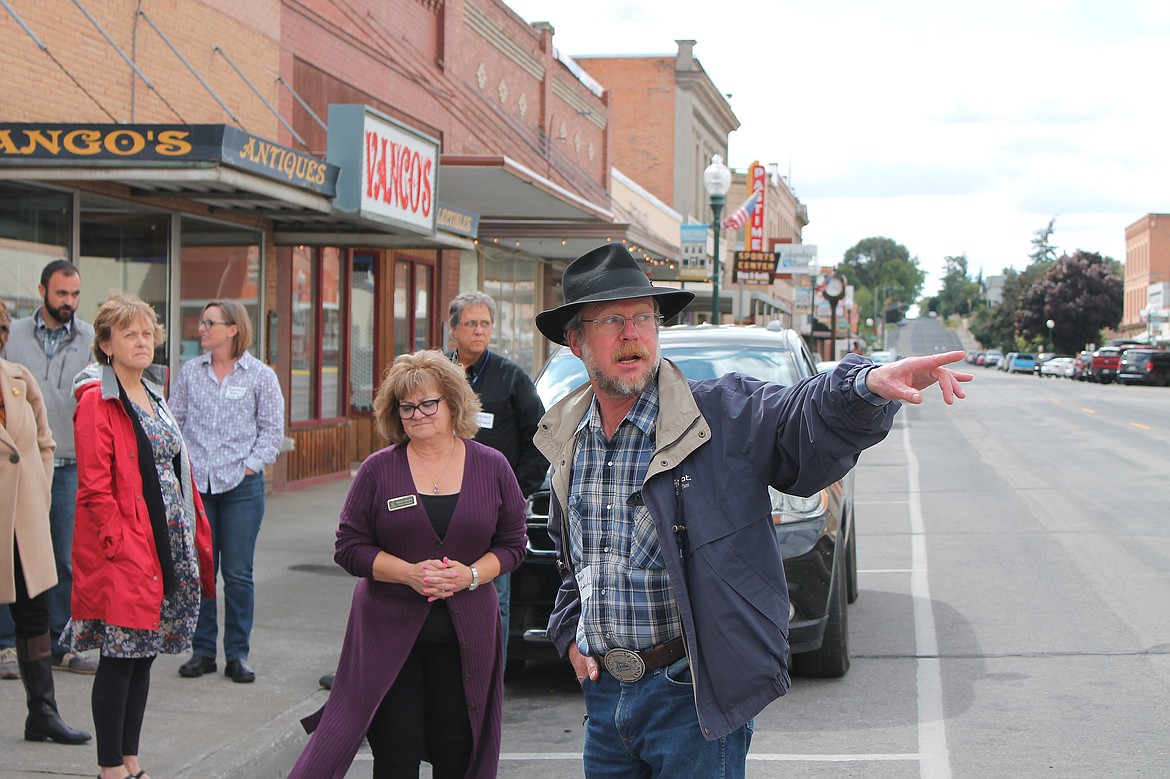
(1081, 294)
(958, 293)
(1042, 249)
(996, 327)
(885, 268)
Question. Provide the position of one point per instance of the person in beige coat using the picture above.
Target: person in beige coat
(27, 568)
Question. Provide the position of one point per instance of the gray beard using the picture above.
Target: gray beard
(615, 387)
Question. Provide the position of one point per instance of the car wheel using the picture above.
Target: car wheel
(1160, 379)
(831, 659)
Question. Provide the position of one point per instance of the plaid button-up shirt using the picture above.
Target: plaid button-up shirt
(230, 425)
(50, 337)
(626, 600)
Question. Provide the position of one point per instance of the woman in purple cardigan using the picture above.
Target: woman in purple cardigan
(428, 522)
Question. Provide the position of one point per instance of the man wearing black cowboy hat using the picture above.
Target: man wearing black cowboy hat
(669, 602)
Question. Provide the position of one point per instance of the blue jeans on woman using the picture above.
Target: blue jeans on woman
(235, 518)
(649, 729)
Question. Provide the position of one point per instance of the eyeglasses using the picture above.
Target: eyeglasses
(427, 407)
(612, 325)
(210, 323)
(486, 324)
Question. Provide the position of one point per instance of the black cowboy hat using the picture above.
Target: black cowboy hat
(606, 273)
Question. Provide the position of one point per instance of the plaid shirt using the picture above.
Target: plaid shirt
(626, 600)
(230, 425)
(50, 337)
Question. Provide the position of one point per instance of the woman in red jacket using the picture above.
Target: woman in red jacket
(142, 545)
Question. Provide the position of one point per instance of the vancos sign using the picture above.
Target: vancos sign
(389, 172)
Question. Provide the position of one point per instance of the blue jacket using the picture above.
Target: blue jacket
(719, 444)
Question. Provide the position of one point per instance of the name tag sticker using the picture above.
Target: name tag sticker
(235, 393)
(486, 420)
(585, 582)
(405, 502)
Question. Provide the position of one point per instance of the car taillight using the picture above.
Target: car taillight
(1149, 366)
(791, 508)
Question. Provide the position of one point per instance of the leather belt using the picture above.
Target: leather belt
(628, 666)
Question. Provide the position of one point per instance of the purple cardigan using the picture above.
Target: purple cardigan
(385, 618)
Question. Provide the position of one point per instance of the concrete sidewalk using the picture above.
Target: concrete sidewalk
(211, 728)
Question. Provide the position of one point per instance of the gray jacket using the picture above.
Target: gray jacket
(54, 374)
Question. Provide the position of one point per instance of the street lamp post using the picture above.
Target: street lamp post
(716, 180)
(1051, 346)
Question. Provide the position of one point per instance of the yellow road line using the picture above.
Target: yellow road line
(1088, 411)
(1140, 426)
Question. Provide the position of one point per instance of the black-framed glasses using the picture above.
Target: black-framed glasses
(210, 323)
(486, 324)
(427, 407)
(612, 325)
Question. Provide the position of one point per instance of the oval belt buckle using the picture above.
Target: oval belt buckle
(624, 665)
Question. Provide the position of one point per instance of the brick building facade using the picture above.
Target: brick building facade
(522, 139)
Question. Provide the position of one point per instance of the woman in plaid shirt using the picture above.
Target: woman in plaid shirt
(231, 410)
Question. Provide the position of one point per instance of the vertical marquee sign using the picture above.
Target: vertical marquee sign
(389, 171)
(757, 181)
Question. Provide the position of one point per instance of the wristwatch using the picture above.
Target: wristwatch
(474, 578)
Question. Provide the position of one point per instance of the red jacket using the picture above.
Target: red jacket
(117, 576)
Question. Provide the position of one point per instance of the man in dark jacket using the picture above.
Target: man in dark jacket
(668, 608)
(511, 407)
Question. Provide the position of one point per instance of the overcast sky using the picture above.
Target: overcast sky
(949, 127)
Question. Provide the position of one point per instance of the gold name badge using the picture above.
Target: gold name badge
(405, 502)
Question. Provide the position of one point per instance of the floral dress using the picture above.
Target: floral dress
(180, 609)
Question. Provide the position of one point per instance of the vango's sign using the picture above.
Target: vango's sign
(389, 172)
(112, 145)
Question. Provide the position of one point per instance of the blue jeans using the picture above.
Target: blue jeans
(61, 510)
(61, 528)
(649, 729)
(503, 584)
(235, 518)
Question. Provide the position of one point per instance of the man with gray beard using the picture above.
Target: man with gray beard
(672, 608)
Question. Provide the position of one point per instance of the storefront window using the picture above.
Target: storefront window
(413, 293)
(362, 376)
(331, 334)
(511, 278)
(35, 227)
(124, 248)
(304, 337)
(217, 262)
(318, 309)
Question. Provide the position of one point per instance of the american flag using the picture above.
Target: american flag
(742, 214)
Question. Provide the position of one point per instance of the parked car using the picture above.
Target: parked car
(883, 357)
(1144, 366)
(827, 366)
(816, 534)
(1044, 357)
(1082, 369)
(1106, 361)
(992, 358)
(1060, 367)
(1023, 362)
(1005, 364)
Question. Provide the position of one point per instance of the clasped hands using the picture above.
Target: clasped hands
(439, 579)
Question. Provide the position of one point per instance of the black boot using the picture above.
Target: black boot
(35, 660)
